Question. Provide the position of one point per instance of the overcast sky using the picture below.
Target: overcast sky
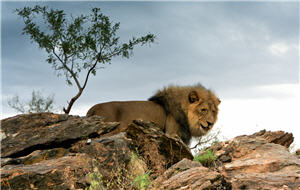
(247, 52)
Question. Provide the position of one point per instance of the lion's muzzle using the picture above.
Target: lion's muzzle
(208, 126)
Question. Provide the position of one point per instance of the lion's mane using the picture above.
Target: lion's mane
(174, 100)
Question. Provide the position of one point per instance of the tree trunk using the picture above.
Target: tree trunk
(67, 111)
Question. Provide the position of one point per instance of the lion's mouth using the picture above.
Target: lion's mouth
(208, 127)
(205, 128)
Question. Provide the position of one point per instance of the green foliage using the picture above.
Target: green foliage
(142, 181)
(207, 159)
(77, 43)
(96, 180)
(37, 103)
(122, 177)
(139, 175)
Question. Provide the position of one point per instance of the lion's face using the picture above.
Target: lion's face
(202, 113)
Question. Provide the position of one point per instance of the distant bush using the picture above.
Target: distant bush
(37, 103)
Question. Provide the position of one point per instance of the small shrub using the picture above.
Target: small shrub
(37, 103)
(96, 181)
(118, 179)
(132, 176)
(142, 181)
(207, 159)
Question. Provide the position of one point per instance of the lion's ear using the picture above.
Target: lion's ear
(193, 97)
(219, 101)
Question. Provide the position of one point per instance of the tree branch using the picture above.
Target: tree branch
(93, 67)
(88, 73)
(68, 69)
(208, 139)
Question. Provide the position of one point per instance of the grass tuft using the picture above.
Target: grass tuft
(207, 159)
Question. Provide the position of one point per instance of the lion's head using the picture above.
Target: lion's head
(195, 108)
(202, 112)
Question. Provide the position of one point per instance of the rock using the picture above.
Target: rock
(62, 173)
(26, 133)
(188, 174)
(55, 151)
(36, 156)
(277, 137)
(181, 166)
(156, 148)
(255, 162)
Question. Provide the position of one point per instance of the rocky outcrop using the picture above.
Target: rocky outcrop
(277, 137)
(256, 162)
(53, 151)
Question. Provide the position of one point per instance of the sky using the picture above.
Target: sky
(246, 52)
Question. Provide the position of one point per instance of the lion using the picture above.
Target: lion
(182, 111)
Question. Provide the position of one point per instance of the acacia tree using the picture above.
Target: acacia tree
(76, 44)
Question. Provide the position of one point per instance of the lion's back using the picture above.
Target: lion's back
(127, 111)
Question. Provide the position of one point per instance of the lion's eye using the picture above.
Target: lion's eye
(203, 110)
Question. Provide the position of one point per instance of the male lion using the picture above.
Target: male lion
(183, 111)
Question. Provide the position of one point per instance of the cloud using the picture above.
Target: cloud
(278, 49)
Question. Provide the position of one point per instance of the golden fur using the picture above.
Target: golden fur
(183, 111)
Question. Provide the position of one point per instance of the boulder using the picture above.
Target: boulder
(68, 172)
(189, 175)
(157, 149)
(23, 134)
(277, 137)
(259, 161)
